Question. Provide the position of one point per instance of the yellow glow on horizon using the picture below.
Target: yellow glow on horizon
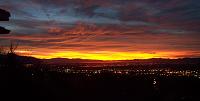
(106, 55)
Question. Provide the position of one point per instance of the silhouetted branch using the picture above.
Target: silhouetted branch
(4, 31)
(4, 16)
(13, 47)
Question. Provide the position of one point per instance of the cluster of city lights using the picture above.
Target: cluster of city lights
(153, 72)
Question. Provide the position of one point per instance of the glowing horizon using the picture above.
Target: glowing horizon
(105, 55)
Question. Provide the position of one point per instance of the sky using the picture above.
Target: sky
(103, 29)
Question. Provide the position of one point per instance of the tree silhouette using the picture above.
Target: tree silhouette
(12, 58)
(12, 48)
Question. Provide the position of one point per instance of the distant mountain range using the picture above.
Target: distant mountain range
(32, 60)
(153, 60)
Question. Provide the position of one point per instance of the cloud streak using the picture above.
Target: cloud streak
(104, 25)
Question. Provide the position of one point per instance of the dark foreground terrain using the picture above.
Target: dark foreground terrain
(28, 85)
(28, 79)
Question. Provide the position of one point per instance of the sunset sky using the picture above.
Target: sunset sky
(103, 29)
